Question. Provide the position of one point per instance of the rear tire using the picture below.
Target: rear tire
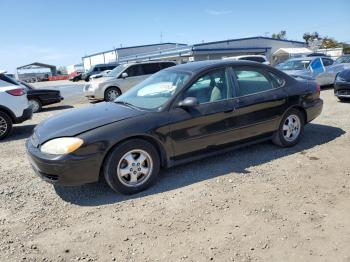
(132, 166)
(290, 129)
(111, 94)
(5, 125)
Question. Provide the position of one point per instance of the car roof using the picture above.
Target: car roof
(195, 67)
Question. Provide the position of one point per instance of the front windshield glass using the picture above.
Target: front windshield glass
(116, 71)
(294, 65)
(156, 90)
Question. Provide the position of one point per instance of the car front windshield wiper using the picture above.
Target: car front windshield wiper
(125, 103)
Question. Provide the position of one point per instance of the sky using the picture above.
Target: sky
(62, 32)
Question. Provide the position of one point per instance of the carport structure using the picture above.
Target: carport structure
(37, 66)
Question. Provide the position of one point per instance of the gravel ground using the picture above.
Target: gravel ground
(260, 203)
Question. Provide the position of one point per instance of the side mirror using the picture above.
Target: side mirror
(124, 75)
(188, 102)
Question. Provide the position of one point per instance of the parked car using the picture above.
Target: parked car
(41, 97)
(102, 74)
(96, 69)
(255, 58)
(14, 106)
(121, 79)
(177, 115)
(342, 85)
(317, 54)
(76, 77)
(329, 75)
(301, 67)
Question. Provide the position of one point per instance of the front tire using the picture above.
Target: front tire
(5, 125)
(111, 94)
(132, 166)
(36, 105)
(290, 129)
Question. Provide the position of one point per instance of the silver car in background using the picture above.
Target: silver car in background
(328, 76)
(121, 79)
(301, 67)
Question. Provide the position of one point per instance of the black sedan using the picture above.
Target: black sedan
(41, 97)
(178, 115)
(342, 85)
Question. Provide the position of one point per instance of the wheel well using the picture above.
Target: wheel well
(8, 112)
(303, 111)
(155, 143)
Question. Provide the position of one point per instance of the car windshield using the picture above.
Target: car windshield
(116, 71)
(342, 59)
(294, 65)
(155, 91)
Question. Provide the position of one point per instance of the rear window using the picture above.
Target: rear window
(7, 81)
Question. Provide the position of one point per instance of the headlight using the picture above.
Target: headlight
(61, 146)
(340, 79)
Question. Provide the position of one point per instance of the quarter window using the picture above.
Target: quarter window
(327, 62)
(211, 87)
(251, 81)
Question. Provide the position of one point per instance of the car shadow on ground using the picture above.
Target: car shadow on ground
(20, 132)
(238, 161)
(54, 108)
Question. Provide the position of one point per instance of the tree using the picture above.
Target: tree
(281, 35)
(330, 43)
(310, 37)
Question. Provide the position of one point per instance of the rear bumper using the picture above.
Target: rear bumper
(27, 114)
(68, 170)
(314, 110)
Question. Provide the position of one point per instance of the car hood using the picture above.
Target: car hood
(81, 120)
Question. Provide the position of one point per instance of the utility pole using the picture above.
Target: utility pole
(161, 37)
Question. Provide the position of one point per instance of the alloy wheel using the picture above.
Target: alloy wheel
(291, 128)
(35, 105)
(134, 168)
(3, 126)
(112, 94)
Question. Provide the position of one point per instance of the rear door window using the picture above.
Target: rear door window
(254, 59)
(252, 81)
(166, 65)
(149, 69)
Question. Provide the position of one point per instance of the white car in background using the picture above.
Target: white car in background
(255, 58)
(14, 106)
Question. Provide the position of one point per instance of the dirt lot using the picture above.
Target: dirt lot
(260, 203)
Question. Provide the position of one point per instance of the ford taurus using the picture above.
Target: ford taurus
(178, 115)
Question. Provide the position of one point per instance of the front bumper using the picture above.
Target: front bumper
(92, 93)
(68, 170)
(342, 90)
(27, 114)
(314, 110)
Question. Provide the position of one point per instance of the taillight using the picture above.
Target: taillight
(318, 89)
(16, 92)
